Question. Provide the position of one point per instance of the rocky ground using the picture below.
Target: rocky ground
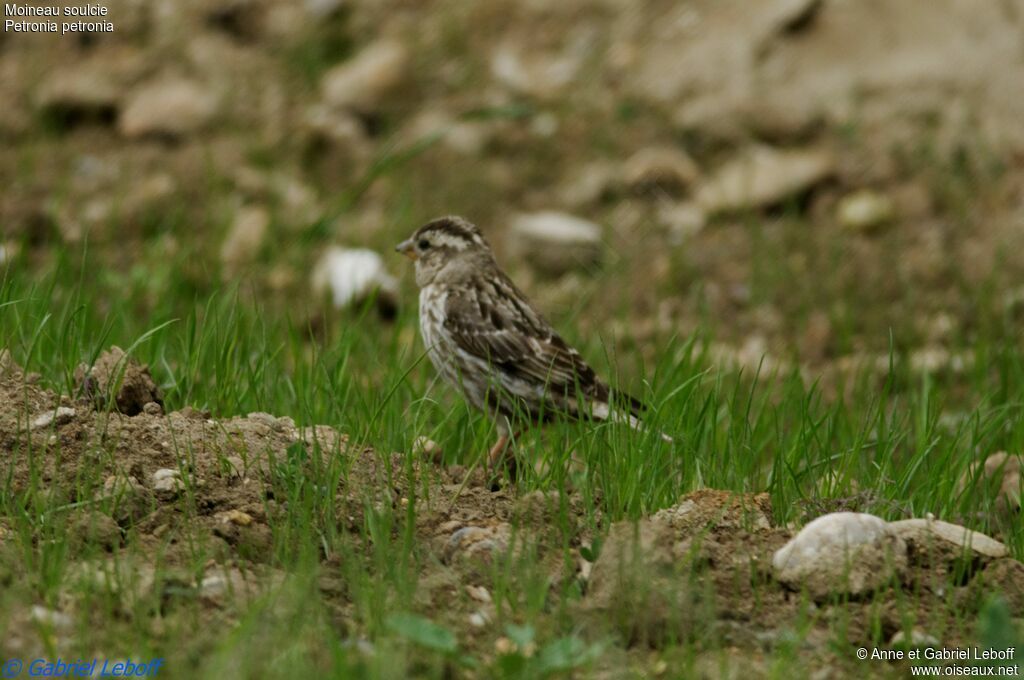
(831, 188)
(789, 177)
(713, 566)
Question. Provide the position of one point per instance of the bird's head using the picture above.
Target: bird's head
(444, 243)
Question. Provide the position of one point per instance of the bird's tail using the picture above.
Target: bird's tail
(626, 409)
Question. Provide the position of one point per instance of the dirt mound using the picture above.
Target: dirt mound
(118, 378)
(699, 570)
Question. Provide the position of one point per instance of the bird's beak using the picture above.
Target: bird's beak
(406, 248)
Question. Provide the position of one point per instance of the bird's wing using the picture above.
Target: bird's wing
(492, 320)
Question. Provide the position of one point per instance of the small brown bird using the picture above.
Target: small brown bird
(485, 338)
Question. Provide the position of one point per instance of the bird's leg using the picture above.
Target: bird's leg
(500, 453)
(497, 452)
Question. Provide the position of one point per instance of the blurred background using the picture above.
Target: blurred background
(812, 182)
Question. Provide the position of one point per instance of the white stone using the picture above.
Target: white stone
(865, 210)
(479, 593)
(426, 447)
(213, 586)
(917, 638)
(170, 108)
(59, 416)
(922, 530)
(50, 617)
(168, 482)
(362, 82)
(555, 242)
(350, 275)
(843, 552)
(763, 177)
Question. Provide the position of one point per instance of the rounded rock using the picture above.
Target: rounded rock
(556, 243)
(843, 552)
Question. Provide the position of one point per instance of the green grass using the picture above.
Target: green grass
(895, 446)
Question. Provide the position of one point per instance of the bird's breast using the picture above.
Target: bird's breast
(432, 302)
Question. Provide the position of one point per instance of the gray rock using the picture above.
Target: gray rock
(763, 177)
(60, 416)
(920, 534)
(86, 90)
(361, 83)
(167, 483)
(167, 108)
(843, 552)
(555, 243)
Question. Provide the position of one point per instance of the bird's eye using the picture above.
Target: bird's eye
(423, 244)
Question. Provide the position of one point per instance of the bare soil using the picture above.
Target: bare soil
(699, 571)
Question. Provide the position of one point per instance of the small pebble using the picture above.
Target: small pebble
(168, 482)
(918, 638)
(504, 646)
(428, 448)
(865, 210)
(479, 593)
(60, 416)
(242, 519)
(50, 617)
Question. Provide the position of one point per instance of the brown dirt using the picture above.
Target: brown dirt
(700, 570)
(116, 373)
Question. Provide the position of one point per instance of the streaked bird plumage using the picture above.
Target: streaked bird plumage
(485, 338)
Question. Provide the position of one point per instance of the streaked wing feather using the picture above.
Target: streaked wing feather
(492, 320)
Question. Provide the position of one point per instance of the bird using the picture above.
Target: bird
(485, 338)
